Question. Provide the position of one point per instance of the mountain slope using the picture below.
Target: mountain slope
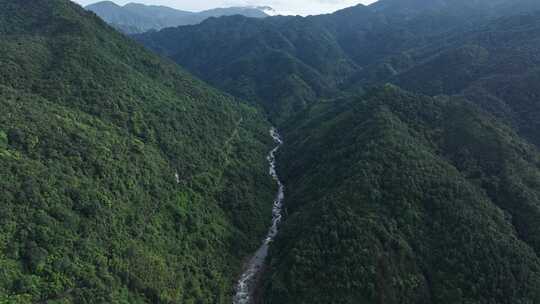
(393, 197)
(495, 64)
(118, 185)
(127, 181)
(401, 198)
(323, 54)
(138, 18)
(282, 63)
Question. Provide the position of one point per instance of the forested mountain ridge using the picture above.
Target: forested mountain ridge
(402, 198)
(126, 180)
(495, 65)
(317, 56)
(135, 18)
(392, 196)
(118, 185)
(282, 63)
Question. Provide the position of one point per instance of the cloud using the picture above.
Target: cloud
(302, 7)
(285, 7)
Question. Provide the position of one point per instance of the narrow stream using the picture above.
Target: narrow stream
(248, 281)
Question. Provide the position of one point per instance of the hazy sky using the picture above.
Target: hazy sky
(301, 7)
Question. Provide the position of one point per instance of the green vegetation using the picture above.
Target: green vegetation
(393, 197)
(124, 180)
(283, 64)
(430, 201)
(288, 63)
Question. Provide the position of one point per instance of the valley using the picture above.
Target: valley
(364, 195)
(250, 278)
(406, 169)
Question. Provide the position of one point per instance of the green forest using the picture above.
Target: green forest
(431, 200)
(411, 157)
(118, 185)
(392, 196)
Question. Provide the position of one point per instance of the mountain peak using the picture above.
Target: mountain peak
(135, 17)
(104, 4)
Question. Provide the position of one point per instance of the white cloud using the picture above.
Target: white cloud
(286, 7)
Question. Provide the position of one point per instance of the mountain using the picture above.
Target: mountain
(411, 155)
(124, 179)
(247, 11)
(287, 63)
(283, 63)
(395, 197)
(138, 18)
(494, 65)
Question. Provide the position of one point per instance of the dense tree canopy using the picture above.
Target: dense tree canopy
(393, 197)
(123, 180)
(288, 63)
(402, 198)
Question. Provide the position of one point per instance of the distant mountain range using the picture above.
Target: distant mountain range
(139, 18)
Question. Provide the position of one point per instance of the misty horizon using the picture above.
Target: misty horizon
(281, 7)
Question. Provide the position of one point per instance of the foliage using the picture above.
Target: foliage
(283, 63)
(429, 201)
(124, 180)
(495, 65)
(393, 197)
(288, 63)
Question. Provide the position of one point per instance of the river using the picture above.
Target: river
(247, 283)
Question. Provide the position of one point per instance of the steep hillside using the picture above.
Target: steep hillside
(282, 63)
(124, 179)
(393, 197)
(401, 198)
(287, 63)
(495, 65)
(135, 18)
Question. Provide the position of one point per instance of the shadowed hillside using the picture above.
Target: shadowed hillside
(402, 198)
